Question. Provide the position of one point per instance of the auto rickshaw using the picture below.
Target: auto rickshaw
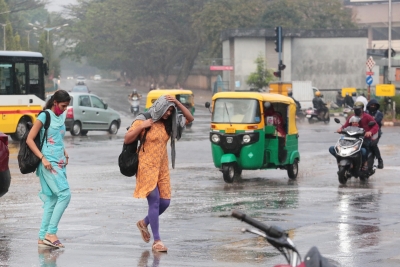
(243, 139)
(186, 97)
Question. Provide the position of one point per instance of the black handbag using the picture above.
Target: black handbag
(27, 160)
(128, 160)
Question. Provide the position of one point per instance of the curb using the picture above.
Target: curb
(391, 123)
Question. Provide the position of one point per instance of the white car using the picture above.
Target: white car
(70, 78)
(80, 80)
(97, 77)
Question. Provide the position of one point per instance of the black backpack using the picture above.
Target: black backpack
(27, 160)
(128, 160)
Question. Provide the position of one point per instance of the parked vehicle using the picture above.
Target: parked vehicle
(80, 89)
(302, 91)
(134, 101)
(97, 77)
(279, 239)
(243, 139)
(186, 97)
(87, 112)
(348, 151)
(313, 116)
(5, 176)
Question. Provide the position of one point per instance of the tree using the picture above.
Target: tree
(262, 76)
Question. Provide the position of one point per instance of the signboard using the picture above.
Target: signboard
(221, 68)
(369, 80)
(385, 90)
(369, 73)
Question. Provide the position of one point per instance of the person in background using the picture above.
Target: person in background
(354, 96)
(298, 105)
(153, 178)
(373, 110)
(55, 192)
(274, 118)
(348, 100)
(339, 99)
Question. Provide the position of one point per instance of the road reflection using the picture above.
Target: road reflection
(48, 256)
(144, 259)
(359, 218)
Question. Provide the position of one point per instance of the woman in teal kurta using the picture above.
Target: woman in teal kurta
(51, 171)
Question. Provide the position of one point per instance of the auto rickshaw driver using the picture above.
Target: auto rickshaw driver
(274, 118)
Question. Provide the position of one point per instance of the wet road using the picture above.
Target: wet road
(354, 225)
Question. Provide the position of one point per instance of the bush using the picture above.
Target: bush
(385, 105)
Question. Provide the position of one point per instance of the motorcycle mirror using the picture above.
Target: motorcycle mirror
(337, 120)
(207, 105)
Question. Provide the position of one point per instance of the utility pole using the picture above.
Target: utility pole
(390, 40)
(4, 36)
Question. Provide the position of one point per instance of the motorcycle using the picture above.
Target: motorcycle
(346, 110)
(313, 116)
(134, 105)
(348, 151)
(279, 238)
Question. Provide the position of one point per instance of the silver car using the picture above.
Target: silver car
(87, 112)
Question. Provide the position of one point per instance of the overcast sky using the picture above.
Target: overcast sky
(56, 5)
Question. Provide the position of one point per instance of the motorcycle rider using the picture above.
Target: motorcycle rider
(135, 94)
(319, 104)
(373, 109)
(370, 131)
(298, 105)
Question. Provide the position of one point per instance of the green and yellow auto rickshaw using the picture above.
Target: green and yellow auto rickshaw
(243, 138)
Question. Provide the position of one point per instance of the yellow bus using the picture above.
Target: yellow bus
(22, 90)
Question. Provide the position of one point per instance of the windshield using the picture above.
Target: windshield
(228, 110)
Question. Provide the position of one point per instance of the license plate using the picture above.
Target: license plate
(230, 130)
(308, 116)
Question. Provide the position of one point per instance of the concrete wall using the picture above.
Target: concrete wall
(329, 62)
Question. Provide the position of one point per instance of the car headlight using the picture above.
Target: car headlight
(246, 138)
(215, 138)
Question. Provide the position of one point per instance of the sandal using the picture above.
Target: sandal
(56, 244)
(159, 246)
(143, 231)
(41, 244)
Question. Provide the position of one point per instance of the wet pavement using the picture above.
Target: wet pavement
(353, 225)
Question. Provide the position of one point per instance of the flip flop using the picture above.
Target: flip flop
(41, 244)
(56, 244)
(159, 247)
(143, 231)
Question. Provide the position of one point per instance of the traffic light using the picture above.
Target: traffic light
(278, 39)
(277, 74)
(392, 54)
(281, 66)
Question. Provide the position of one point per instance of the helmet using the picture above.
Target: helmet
(290, 93)
(358, 104)
(134, 91)
(355, 119)
(317, 93)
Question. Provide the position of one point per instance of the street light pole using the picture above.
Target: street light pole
(4, 36)
(29, 33)
(390, 40)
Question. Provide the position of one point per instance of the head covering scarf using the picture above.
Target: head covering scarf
(157, 110)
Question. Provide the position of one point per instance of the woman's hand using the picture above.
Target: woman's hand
(172, 99)
(46, 164)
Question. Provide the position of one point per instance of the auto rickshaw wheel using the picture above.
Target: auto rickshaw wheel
(293, 169)
(228, 172)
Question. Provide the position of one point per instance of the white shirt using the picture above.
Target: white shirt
(362, 99)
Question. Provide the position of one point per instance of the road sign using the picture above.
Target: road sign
(369, 80)
(370, 73)
(370, 63)
(221, 67)
(385, 90)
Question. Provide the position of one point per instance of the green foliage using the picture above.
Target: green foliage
(262, 76)
(308, 14)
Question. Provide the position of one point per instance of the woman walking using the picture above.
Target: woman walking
(51, 171)
(152, 178)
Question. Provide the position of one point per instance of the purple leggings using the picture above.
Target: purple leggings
(157, 206)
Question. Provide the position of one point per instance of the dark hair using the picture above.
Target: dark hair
(168, 125)
(59, 96)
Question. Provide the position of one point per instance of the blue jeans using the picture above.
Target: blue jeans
(363, 153)
(54, 207)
